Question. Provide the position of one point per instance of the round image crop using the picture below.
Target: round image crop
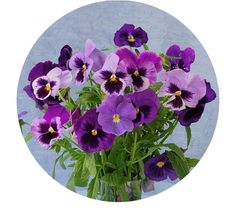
(113, 133)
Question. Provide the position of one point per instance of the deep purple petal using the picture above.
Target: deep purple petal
(121, 36)
(65, 55)
(41, 69)
(57, 111)
(90, 136)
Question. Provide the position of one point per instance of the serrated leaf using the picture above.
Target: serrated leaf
(189, 134)
(180, 165)
(93, 188)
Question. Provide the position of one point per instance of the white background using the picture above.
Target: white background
(23, 184)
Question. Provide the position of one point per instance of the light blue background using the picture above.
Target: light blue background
(99, 22)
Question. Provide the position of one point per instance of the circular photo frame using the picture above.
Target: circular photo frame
(119, 105)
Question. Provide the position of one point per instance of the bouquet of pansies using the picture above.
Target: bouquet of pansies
(113, 131)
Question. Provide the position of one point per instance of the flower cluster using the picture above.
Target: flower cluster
(130, 100)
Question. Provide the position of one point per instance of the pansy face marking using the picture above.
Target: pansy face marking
(131, 39)
(160, 164)
(113, 81)
(116, 118)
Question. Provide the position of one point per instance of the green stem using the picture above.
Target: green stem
(134, 146)
(171, 129)
(61, 97)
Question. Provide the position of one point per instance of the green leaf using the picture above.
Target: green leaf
(93, 188)
(175, 149)
(192, 162)
(115, 178)
(117, 155)
(81, 172)
(145, 47)
(180, 165)
(91, 96)
(90, 164)
(189, 135)
(27, 137)
(63, 159)
(165, 61)
(71, 184)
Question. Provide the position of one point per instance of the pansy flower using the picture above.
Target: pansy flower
(181, 59)
(192, 115)
(146, 105)
(184, 89)
(142, 68)
(83, 62)
(65, 55)
(116, 115)
(40, 69)
(111, 78)
(48, 85)
(159, 168)
(90, 135)
(48, 128)
(128, 35)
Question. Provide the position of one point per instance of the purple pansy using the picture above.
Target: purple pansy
(116, 115)
(49, 127)
(159, 168)
(83, 62)
(146, 105)
(192, 115)
(65, 55)
(111, 78)
(130, 36)
(90, 135)
(41, 70)
(48, 85)
(184, 89)
(181, 59)
(142, 68)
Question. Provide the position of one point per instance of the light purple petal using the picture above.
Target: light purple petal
(98, 58)
(111, 63)
(89, 47)
(65, 79)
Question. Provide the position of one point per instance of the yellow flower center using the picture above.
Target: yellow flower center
(48, 87)
(178, 93)
(116, 118)
(113, 78)
(84, 67)
(51, 130)
(137, 110)
(131, 39)
(160, 164)
(94, 132)
(136, 73)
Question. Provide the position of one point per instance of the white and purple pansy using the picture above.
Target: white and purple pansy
(49, 84)
(184, 89)
(142, 69)
(48, 128)
(113, 81)
(83, 62)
